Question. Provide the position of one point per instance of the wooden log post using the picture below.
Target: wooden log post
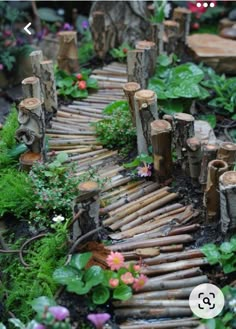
(183, 17)
(212, 196)
(171, 29)
(48, 84)
(208, 154)
(146, 112)
(136, 67)
(228, 201)
(130, 88)
(32, 126)
(150, 50)
(98, 33)
(157, 36)
(88, 202)
(194, 156)
(161, 148)
(184, 129)
(227, 153)
(68, 53)
(36, 58)
(31, 88)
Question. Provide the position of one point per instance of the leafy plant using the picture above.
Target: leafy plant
(161, 10)
(97, 284)
(225, 254)
(177, 86)
(120, 53)
(75, 86)
(142, 163)
(116, 131)
(224, 92)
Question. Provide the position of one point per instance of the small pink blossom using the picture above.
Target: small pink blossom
(59, 312)
(127, 278)
(137, 268)
(99, 319)
(1, 67)
(113, 282)
(115, 260)
(144, 171)
(139, 282)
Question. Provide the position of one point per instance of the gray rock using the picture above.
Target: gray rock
(232, 15)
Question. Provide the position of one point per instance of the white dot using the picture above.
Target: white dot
(199, 4)
(205, 4)
(212, 5)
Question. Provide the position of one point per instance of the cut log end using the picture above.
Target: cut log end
(170, 23)
(30, 81)
(193, 143)
(218, 165)
(160, 125)
(37, 53)
(184, 117)
(30, 104)
(89, 186)
(144, 44)
(228, 178)
(131, 86)
(145, 95)
(46, 62)
(72, 34)
(228, 146)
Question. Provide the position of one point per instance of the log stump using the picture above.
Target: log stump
(182, 16)
(36, 58)
(194, 156)
(228, 201)
(136, 67)
(161, 149)
(150, 50)
(27, 160)
(146, 111)
(157, 36)
(130, 88)
(184, 129)
(68, 53)
(31, 88)
(171, 29)
(227, 153)
(212, 196)
(209, 152)
(99, 34)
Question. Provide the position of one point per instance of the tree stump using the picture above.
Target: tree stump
(36, 58)
(130, 88)
(27, 160)
(183, 17)
(100, 39)
(48, 83)
(171, 29)
(161, 149)
(146, 111)
(228, 201)
(68, 52)
(184, 129)
(88, 201)
(157, 36)
(194, 156)
(150, 50)
(212, 196)
(31, 88)
(136, 67)
(208, 154)
(32, 125)
(227, 153)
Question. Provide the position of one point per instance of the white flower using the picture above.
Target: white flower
(58, 219)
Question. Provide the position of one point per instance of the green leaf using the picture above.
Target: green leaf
(229, 268)
(17, 323)
(115, 106)
(227, 317)
(233, 243)
(122, 292)
(63, 274)
(172, 106)
(164, 60)
(211, 252)
(92, 83)
(226, 247)
(79, 261)
(100, 295)
(39, 304)
(93, 276)
(62, 157)
(77, 93)
(132, 164)
(2, 326)
(108, 274)
(210, 118)
(77, 286)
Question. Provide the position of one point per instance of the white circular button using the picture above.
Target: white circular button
(206, 301)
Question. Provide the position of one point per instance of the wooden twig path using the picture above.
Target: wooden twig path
(146, 221)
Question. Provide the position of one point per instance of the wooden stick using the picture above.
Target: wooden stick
(184, 129)
(150, 50)
(171, 29)
(228, 201)
(130, 186)
(212, 196)
(136, 67)
(98, 30)
(161, 149)
(36, 58)
(185, 238)
(227, 153)
(130, 88)
(208, 154)
(151, 303)
(164, 294)
(120, 182)
(194, 156)
(31, 88)
(147, 313)
(166, 324)
(68, 55)
(146, 111)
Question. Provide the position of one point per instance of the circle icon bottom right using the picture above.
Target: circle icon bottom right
(206, 301)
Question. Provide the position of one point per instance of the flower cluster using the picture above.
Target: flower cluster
(81, 83)
(129, 275)
(145, 171)
(53, 317)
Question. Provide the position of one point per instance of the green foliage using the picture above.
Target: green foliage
(23, 284)
(94, 282)
(139, 160)
(116, 131)
(224, 92)
(16, 192)
(120, 53)
(177, 86)
(68, 84)
(85, 51)
(159, 11)
(225, 254)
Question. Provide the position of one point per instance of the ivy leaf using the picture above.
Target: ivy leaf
(77, 286)
(79, 261)
(39, 304)
(93, 276)
(122, 292)
(100, 295)
(211, 252)
(63, 274)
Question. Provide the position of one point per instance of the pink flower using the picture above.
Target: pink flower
(113, 282)
(139, 282)
(137, 268)
(99, 319)
(39, 326)
(59, 312)
(127, 278)
(144, 171)
(115, 260)
(1, 67)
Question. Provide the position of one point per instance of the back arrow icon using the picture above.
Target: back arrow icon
(26, 28)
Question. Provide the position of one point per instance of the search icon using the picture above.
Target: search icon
(206, 300)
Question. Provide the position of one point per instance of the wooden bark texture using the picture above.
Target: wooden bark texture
(136, 67)
(157, 36)
(228, 201)
(36, 58)
(227, 153)
(146, 112)
(184, 129)
(161, 148)
(209, 152)
(150, 50)
(194, 156)
(100, 34)
(212, 196)
(130, 88)
(183, 17)
(68, 53)
(171, 29)
(31, 88)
